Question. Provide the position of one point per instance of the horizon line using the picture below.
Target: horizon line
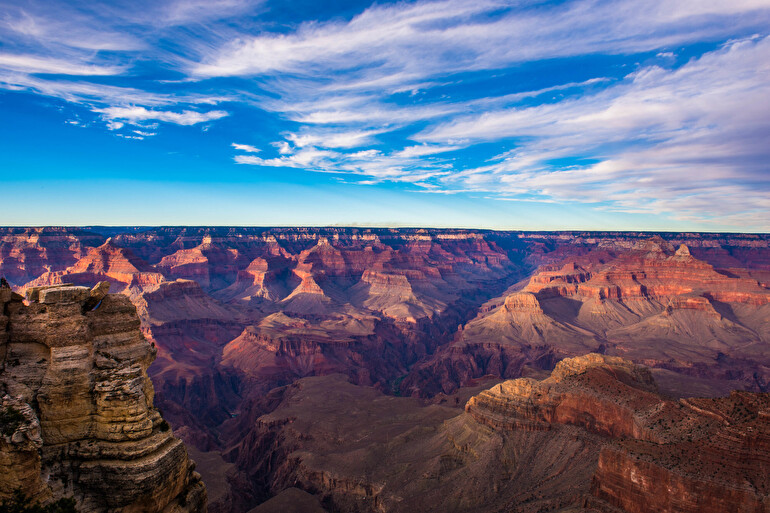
(383, 227)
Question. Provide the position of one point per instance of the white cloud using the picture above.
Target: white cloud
(398, 166)
(37, 64)
(284, 148)
(664, 141)
(388, 94)
(64, 26)
(245, 147)
(92, 94)
(87, 41)
(425, 149)
(397, 44)
(326, 139)
(308, 158)
(181, 12)
(136, 115)
(681, 142)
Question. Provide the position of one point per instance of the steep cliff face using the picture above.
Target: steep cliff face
(694, 455)
(599, 393)
(77, 407)
(716, 458)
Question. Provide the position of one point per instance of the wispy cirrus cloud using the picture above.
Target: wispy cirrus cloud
(645, 107)
(398, 166)
(67, 51)
(433, 38)
(422, 150)
(333, 139)
(36, 64)
(136, 115)
(663, 141)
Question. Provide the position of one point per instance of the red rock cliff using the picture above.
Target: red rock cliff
(695, 455)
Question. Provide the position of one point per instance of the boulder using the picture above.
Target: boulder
(95, 295)
(71, 294)
(33, 293)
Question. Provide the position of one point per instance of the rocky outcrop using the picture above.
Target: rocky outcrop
(26, 253)
(599, 393)
(654, 271)
(118, 266)
(259, 280)
(695, 455)
(715, 459)
(77, 409)
(283, 348)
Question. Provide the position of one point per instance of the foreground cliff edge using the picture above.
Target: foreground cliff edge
(77, 417)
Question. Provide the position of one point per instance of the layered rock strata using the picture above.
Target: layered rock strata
(716, 458)
(703, 330)
(77, 407)
(235, 312)
(694, 455)
(357, 450)
(599, 393)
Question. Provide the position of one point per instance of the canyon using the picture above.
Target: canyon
(354, 369)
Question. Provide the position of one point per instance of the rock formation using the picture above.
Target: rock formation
(713, 458)
(77, 414)
(26, 253)
(594, 436)
(599, 393)
(694, 455)
(694, 325)
(116, 265)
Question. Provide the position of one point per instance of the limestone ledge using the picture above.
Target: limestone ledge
(78, 414)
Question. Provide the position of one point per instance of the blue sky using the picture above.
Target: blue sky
(582, 114)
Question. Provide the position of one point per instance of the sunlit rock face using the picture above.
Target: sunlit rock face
(703, 329)
(704, 455)
(26, 253)
(78, 407)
